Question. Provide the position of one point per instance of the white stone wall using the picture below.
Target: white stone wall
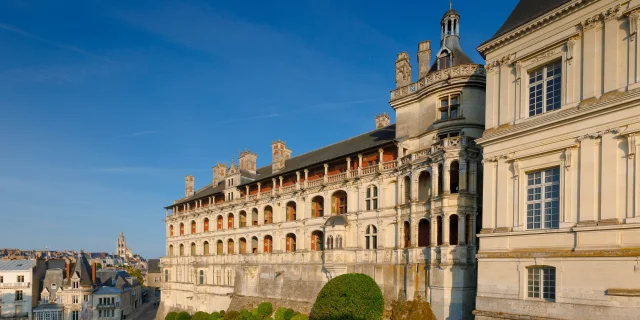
(591, 139)
(9, 306)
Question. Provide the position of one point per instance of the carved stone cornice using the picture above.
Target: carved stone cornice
(464, 70)
(597, 135)
(546, 253)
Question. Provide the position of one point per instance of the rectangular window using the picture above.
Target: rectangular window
(541, 283)
(86, 298)
(75, 299)
(20, 278)
(545, 86)
(543, 199)
(18, 295)
(74, 315)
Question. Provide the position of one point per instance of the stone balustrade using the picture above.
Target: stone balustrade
(464, 70)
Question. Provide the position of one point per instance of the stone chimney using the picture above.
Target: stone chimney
(382, 120)
(248, 161)
(424, 58)
(219, 171)
(93, 272)
(403, 70)
(188, 186)
(68, 269)
(279, 153)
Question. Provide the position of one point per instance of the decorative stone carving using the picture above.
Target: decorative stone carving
(403, 70)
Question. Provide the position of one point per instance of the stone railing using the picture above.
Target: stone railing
(314, 183)
(290, 188)
(369, 170)
(465, 70)
(15, 285)
(337, 177)
(353, 173)
(389, 165)
(253, 197)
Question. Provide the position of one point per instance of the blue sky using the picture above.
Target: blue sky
(106, 105)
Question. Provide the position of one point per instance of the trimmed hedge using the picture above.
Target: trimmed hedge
(183, 316)
(200, 316)
(265, 309)
(231, 315)
(352, 296)
(417, 309)
(300, 317)
(214, 316)
(171, 316)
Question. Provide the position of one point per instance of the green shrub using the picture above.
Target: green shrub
(214, 316)
(265, 309)
(290, 313)
(222, 312)
(231, 315)
(300, 317)
(247, 315)
(200, 316)
(183, 316)
(417, 309)
(171, 316)
(280, 313)
(352, 296)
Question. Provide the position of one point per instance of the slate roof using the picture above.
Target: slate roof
(14, 265)
(56, 264)
(83, 269)
(53, 276)
(108, 290)
(525, 11)
(153, 266)
(343, 148)
(113, 278)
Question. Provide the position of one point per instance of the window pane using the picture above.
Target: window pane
(375, 204)
(443, 115)
(444, 102)
(375, 191)
(454, 100)
(454, 113)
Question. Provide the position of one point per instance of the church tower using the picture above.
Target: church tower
(121, 248)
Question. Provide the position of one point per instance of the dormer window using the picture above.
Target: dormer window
(53, 286)
(445, 60)
(75, 284)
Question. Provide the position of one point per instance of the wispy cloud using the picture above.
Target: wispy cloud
(274, 115)
(60, 45)
(141, 133)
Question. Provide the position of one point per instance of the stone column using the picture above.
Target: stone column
(445, 177)
(462, 175)
(273, 186)
(445, 229)
(348, 167)
(473, 229)
(247, 195)
(280, 188)
(462, 221)
(306, 177)
(434, 179)
(259, 187)
(359, 163)
(634, 145)
(298, 180)
(473, 171)
(380, 158)
(326, 172)
(434, 230)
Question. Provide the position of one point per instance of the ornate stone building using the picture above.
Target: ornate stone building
(560, 229)
(399, 203)
(121, 248)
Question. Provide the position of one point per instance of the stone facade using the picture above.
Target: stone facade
(122, 249)
(399, 203)
(561, 223)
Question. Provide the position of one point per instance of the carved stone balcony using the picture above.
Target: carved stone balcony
(15, 285)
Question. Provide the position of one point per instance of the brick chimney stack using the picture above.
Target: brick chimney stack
(93, 272)
(424, 58)
(219, 171)
(279, 154)
(68, 267)
(382, 120)
(188, 186)
(248, 161)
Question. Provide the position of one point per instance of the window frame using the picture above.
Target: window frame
(371, 237)
(371, 198)
(449, 106)
(543, 222)
(541, 283)
(543, 67)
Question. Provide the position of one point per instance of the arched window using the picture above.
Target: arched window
(453, 229)
(371, 238)
(339, 202)
(219, 227)
(243, 219)
(407, 234)
(316, 240)
(193, 227)
(230, 247)
(193, 249)
(181, 229)
(171, 251)
(291, 211)
(254, 244)
(171, 231)
(291, 242)
(201, 277)
(230, 221)
(219, 247)
(440, 178)
(454, 177)
(206, 224)
(371, 200)
(317, 207)
(166, 275)
(243, 245)
(330, 243)
(268, 244)
(439, 228)
(338, 242)
(407, 189)
(206, 248)
(424, 186)
(424, 233)
(254, 217)
(182, 250)
(268, 215)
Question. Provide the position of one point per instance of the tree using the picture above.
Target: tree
(351, 296)
(136, 273)
(200, 316)
(98, 265)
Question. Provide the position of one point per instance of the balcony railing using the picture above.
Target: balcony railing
(15, 285)
(369, 170)
(107, 305)
(337, 177)
(389, 165)
(290, 188)
(314, 183)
